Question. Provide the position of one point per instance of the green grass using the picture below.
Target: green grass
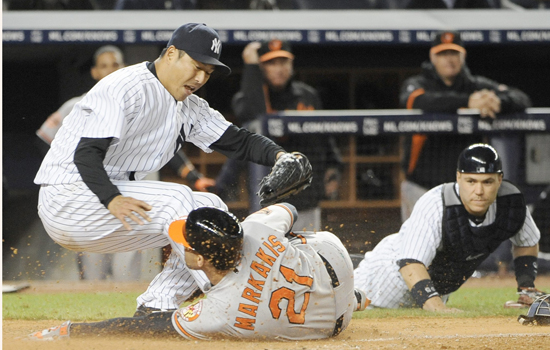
(68, 306)
(476, 302)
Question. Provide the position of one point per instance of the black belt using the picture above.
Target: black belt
(335, 283)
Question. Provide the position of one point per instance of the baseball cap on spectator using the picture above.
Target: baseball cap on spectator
(200, 42)
(275, 48)
(447, 40)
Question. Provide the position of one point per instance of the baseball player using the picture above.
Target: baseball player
(452, 229)
(267, 282)
(106, 60)
(131, 123)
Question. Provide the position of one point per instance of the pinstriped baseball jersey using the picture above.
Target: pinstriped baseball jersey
(51, 126)
(148, 126)
(281, 289)
(419, 237)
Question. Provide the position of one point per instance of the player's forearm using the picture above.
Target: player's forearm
(525, 265)
(241, 144)
(420, 285)
(249, 103)
(444, 102)
(88, 159)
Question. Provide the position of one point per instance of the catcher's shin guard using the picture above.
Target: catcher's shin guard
(539, 312)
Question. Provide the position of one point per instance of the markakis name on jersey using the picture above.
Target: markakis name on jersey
(253, 290)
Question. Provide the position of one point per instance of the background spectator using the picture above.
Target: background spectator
(444, 86)
(267, 86)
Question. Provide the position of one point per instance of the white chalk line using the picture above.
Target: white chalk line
(457, 336)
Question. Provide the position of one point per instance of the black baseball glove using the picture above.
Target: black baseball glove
(290, 175)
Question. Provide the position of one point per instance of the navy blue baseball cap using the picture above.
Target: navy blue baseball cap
(200, 42)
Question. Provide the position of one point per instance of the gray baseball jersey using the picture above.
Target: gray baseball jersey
(281, 288)
(147, 126)
(419, 237)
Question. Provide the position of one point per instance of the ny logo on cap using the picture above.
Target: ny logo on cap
(216, 46)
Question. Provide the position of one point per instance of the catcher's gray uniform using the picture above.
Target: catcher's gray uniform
(419, 238)
(293, 286)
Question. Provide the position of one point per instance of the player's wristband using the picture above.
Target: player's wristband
(526, 270)
(190, 174)
(422, 291)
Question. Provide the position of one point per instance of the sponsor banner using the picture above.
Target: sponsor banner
(299, 36)
(277, 126)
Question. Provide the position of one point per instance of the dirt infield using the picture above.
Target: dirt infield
(414, 333)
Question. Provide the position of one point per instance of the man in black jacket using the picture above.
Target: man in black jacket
(444, 86)
(267, 86)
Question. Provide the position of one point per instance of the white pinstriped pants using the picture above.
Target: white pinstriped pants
(75, 219)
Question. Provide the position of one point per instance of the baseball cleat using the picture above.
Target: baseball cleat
(512, 304)
(54, 333)
(362, 300)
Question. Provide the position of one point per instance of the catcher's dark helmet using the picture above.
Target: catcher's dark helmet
(539, 312)
(212, 232)
(479, 158)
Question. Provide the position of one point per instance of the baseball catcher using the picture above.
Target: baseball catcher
(539, 312)
(290, 175)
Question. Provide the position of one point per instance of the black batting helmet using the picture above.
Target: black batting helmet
(213, 233)
(479, 158)
(539, 312)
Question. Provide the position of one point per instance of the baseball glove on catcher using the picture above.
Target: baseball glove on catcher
(290, 175)
(526, 297)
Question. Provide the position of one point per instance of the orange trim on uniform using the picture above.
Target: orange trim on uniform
(417, 143)
(176, 231)
(183, 330)
(288, 210)
(275, 54)
(302, 238)
(413, 96)
(268, 108)
(418, 140)
(447, 46)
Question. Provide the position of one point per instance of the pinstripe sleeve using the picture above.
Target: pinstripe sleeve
(203, 125)
(420, 235)
(529, 235)
(105, 115)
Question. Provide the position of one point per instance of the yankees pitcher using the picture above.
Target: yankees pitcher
(452, 229)
(131, 123)
(267, 283)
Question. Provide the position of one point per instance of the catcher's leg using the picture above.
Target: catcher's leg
(381, 281)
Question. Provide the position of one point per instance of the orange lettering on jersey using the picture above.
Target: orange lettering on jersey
(289, 295)
(271, 248)
(248, 309)
(291, 276)
(265, 257)
(276, 244)
(251, 295)
(259, 285)
(262, 270)
(245, 323)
